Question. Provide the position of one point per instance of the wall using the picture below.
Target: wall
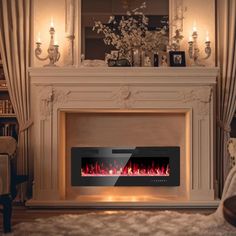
(201, 11)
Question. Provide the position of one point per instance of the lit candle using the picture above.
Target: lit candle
(52, 24)
(194, 27)
(190, 38)
(38, 38)
(207, 37)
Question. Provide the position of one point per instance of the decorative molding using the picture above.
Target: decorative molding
(61, 96)
(46, 98)
(50, 96)
(201, 97)
(178, 75)
(125, 97)
(176, 17)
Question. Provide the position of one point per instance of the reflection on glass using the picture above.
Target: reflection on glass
(93, 46)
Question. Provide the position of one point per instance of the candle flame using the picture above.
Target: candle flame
(38, 38)
(194, 26)
(52, 24)
(190, 38)
(207, 37)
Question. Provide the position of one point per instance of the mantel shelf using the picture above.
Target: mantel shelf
(113, 75)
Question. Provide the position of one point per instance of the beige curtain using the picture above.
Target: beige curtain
(15, 50)
(226, 87)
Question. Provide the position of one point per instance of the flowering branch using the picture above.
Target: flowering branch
(131, 32)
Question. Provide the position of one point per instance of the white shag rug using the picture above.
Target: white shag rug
(135, 223)
(128, 223)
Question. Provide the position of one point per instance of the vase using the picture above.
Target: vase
(136, 57)
(147, 59)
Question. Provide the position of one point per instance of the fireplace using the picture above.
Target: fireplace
(77, 108)
(139, 166)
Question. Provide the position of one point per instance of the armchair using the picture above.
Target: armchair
(7, 189)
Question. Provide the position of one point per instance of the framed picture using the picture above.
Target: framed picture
(163, 59)
(177, 58)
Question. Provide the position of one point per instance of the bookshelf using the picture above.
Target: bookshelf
(8, 121)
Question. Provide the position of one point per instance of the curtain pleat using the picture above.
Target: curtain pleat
(226, 83)
(15, 18)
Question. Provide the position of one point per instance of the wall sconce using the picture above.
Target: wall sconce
(194, 50)
(53, 49)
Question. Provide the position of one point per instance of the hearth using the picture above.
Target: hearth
(136, 166)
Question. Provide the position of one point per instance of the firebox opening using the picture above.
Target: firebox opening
(139, 166)
(124, 166)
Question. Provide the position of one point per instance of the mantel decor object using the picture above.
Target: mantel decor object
(131, 37)
(177, 58)
(53, 49)
(118, 63)
(194, 50)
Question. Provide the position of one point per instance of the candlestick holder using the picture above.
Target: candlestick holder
(194, 50)
(53, 50)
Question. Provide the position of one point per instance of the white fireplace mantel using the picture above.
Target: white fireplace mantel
(164, 75)
(189, 90)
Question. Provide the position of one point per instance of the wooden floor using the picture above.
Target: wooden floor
(24, 214)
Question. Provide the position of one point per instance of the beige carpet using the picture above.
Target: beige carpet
(125, 223)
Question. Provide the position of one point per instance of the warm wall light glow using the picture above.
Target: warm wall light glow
(110, 212)
(52, 23)
(110, 198)
(133, 199)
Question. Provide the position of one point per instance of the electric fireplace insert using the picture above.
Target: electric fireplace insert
(136, 166)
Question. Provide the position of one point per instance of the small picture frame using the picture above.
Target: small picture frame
(177, 58)
(163, 59)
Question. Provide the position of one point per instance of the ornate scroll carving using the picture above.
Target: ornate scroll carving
(202, 97)
(61, 96)
(49, 96)
(46, 98)
(125, 97)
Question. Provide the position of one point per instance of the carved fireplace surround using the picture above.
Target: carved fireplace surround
(57, 92)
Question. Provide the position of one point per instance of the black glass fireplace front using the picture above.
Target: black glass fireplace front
(138, 166)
